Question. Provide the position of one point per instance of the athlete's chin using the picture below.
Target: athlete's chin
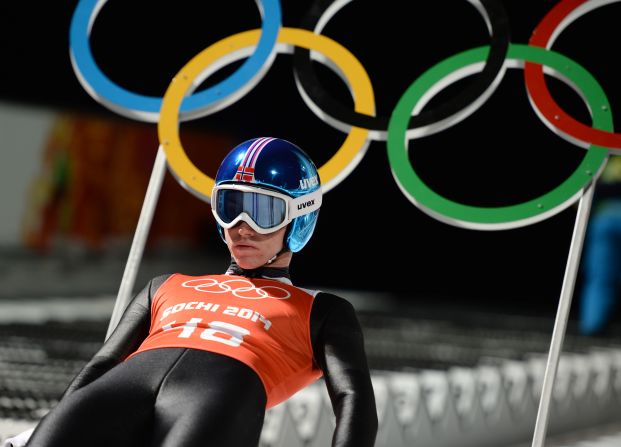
(249, 262)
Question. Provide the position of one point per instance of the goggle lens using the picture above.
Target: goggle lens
(266, 211)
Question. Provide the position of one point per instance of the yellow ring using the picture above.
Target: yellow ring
(342, 162)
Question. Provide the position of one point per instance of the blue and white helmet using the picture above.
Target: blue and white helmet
(269, 183)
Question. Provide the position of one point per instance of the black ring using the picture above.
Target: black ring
(304, 72)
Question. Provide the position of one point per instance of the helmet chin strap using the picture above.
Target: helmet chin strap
(273, 258)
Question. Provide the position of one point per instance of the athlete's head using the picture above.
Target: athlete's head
(271, 185)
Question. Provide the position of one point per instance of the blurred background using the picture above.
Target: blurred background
(431, 296)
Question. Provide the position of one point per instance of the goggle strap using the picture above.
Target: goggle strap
(305, 204)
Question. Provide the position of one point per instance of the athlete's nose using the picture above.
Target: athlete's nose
(244, 229)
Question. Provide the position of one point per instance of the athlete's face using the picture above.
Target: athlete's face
(251, 249)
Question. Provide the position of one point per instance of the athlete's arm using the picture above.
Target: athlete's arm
(131, 330)
(338, 347)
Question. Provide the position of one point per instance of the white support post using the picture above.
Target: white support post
(562, 315)
(140, 238)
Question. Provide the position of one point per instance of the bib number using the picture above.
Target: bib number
(219, 331)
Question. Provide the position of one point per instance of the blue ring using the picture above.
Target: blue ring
(139, 106)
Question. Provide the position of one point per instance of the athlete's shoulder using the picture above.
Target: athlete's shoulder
(157, 281)
(332, 313)
(328, 302)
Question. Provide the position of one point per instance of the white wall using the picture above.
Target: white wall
(23, 131)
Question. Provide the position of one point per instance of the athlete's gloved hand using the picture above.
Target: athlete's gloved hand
(18, 440)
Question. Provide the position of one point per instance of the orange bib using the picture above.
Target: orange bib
(263, 323)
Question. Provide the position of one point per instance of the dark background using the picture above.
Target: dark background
(370, 237)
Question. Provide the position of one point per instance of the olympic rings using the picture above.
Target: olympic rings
(242, 286)
(333, 172)
(496, 218)
(146, 108)
(544, 35)
(425, 123)
(408, 120)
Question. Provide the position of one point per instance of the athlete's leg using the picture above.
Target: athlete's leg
(114, 410)
(209, 399)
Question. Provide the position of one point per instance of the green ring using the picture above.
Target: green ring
(504, 217)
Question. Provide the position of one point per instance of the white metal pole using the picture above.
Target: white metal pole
(140, 238)
(562, 315)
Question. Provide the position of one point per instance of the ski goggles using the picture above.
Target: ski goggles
(264, 210)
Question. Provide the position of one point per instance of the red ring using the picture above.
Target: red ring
(541, 97)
